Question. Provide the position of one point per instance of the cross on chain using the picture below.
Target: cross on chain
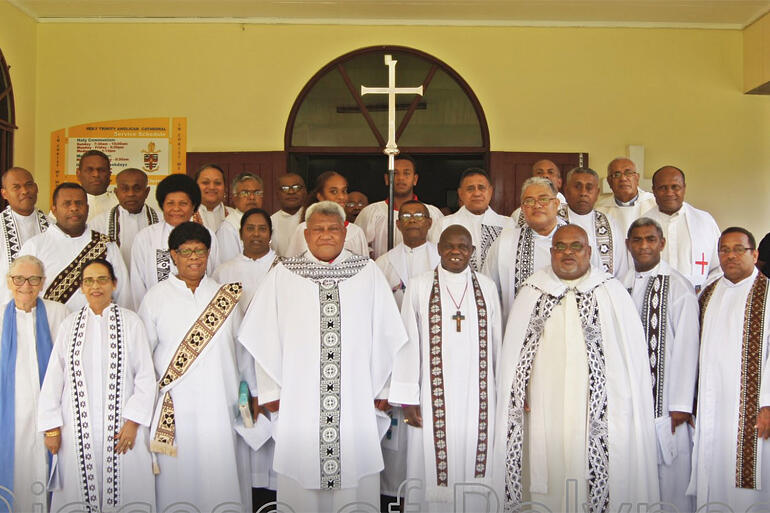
(459, 317)
(702, 263)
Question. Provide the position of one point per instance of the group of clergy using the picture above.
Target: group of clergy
(201, 357)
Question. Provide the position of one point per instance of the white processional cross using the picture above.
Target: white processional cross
(391, 148)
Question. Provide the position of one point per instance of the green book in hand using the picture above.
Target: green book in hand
(244, 405)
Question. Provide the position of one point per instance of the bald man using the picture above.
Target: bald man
(545, 169)
(21, 220)
(628, 202)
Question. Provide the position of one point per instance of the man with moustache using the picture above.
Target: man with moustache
(544, 169)
(291, 196)
(357, 201)
(628, 202)
(248, 191)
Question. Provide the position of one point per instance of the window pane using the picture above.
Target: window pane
(5, 109)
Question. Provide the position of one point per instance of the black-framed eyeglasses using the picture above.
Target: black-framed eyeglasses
(33, 280)
(738, 250)
(415, 216)
(187, 252)
(292, 188)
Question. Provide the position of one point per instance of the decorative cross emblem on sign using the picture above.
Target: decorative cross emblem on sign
(702, 263)
(459, 317)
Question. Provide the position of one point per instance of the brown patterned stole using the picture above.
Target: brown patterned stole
(67, 281)
(746, 461)
(190, 348)
(113, 221)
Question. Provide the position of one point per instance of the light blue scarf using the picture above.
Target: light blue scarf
(8, 347)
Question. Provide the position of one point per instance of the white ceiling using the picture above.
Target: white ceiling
(733, 14)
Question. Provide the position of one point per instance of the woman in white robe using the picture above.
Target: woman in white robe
(101, 355)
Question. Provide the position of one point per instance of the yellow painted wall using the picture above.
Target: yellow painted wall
(18, 42)
(677, 92)
(756, 54)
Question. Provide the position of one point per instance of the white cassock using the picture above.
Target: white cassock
(284, 226)
(126, 228)
(235, 219)
(213, 218)
(228, 241)
(324, 337)
(29, 463)
(485, 229)
(692, 237)
(97, 205)
(515, 256)
(373, 219)
(451, 375)
(668, 307)
(575, 350)
(151, 261)
(210, 467)
(608, 243)
(399, 265)
(720, 401)
(626, 213)
(518, 216)
(57, 250)
(15, 230)
(355, 240)
(136, 391)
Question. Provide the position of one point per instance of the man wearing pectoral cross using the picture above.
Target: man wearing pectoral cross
(444, 378)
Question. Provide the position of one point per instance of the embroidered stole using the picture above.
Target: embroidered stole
(85, 453)
(655, 322)
(328, 279)
(525, 258)
(597, 452)
(66, 283)
(11, 235)
(488, 235)
(438, 405)
(747, 464)
(162, 264)
(190, 348)
(113, 223)
(603, 234)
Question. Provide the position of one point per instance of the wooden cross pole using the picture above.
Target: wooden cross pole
(391, 148)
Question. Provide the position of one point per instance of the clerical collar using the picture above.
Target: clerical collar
(572, 213)
(627, 203)
(455, 278)
(547, 236)
(415, 249)
(644, 274)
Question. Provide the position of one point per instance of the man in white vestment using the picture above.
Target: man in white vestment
(248, 191)
(374, 218)
(291, 196)
(668, 308)
(151, 261)
(628, 202)
(21, 220)
(575, 418)
(29, 326)
(444, 378)
(485, 225)
(731, 457)
(192, 323)
(544, 169)
(520, 251)
(691, 234)
(124, 221)
(94, 175)
(324, 330)
(357, 201)
(64, 247)
(608, 251)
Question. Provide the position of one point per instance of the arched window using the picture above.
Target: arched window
(7, 116)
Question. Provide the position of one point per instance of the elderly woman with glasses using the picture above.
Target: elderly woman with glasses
(29, 325)
(97, 402)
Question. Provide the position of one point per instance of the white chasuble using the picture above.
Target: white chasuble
(97, 205)
(210, 467)
(284, 225)
(213, 218)
(534, 457)
(324, 337)
(730, 464)
(229, 241)
(373, 219)
(485, 229)
(355, 241)
(122, 226)
(402, 263)
(451, 375)
(104, 361)
(626, 213)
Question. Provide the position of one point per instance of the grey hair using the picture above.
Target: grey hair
(29, 259)
(244, 177)
(645, 221)
(581, 171)
(537, 180)
(609, 166)
(328, 208)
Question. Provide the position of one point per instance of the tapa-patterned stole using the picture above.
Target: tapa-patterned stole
(328, 279)
(488, 235)
(438, 404)
(162, 264)
(746, 461)
(603, 234)
(11, 232)
(598, 434)
(655, 321)
(67, 281)
(190, 348)
(85, 452)
(525, 258)
(113, 222)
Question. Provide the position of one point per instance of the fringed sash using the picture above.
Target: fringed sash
(113, 413)
(598, 432)
(11, 235)
(190, 348)
(113, 223)
(655, 320)
(488, 235)
(66, 283)
(747, 465)
(437, 383)
(603, 234)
